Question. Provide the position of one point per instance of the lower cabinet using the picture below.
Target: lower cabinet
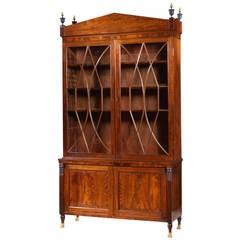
(122, 192)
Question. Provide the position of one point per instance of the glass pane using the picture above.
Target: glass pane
(144, 98)
(88, 99)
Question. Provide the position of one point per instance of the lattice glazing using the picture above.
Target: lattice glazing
(144, 98)
(89, 118)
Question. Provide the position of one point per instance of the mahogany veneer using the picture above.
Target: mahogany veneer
(122, 119)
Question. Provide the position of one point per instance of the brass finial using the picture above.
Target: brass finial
(179, 15)
(74, 20)
(62, 19)
(171, 10)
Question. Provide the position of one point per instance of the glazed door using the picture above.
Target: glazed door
(142, 95)
(89, 101)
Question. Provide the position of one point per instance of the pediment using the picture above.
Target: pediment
(116, 23)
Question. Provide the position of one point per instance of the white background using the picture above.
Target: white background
(31, 120)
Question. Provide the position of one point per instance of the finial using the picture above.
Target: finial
(62, 19)
(171, 10)
(179, 15)
(74, 20)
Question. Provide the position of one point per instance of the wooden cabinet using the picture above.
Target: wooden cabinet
(122, 119)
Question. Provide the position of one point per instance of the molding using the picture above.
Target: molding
(122, 23)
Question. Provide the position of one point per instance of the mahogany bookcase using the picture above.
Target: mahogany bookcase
(121, 119)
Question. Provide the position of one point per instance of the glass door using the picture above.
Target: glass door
(88, 100)
(143, 97)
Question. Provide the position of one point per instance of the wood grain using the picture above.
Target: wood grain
(88, 188)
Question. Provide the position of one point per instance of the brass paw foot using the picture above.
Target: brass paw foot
(77, 218)
(62, 225)
(170, 235)
(179, 226)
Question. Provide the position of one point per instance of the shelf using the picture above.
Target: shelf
(148, 90)
(84, 89)
(91, 109)
(86, 110)
(145, 87)
(142, 110)
(81, 87)
(124, 88)
(104, 65)
(143, 63)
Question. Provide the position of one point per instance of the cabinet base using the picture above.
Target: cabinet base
(169, 225)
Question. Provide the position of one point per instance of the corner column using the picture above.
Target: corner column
(169, 199)
(61, 191)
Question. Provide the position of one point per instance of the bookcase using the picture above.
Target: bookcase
(121, 119)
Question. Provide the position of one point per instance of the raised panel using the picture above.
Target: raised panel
(89, 189)
(140, 193)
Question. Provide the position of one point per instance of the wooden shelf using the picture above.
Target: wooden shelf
(145, 87)
(86, 110)
(104, 65)
(145, 63)
(83, 89)
(141, 110)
